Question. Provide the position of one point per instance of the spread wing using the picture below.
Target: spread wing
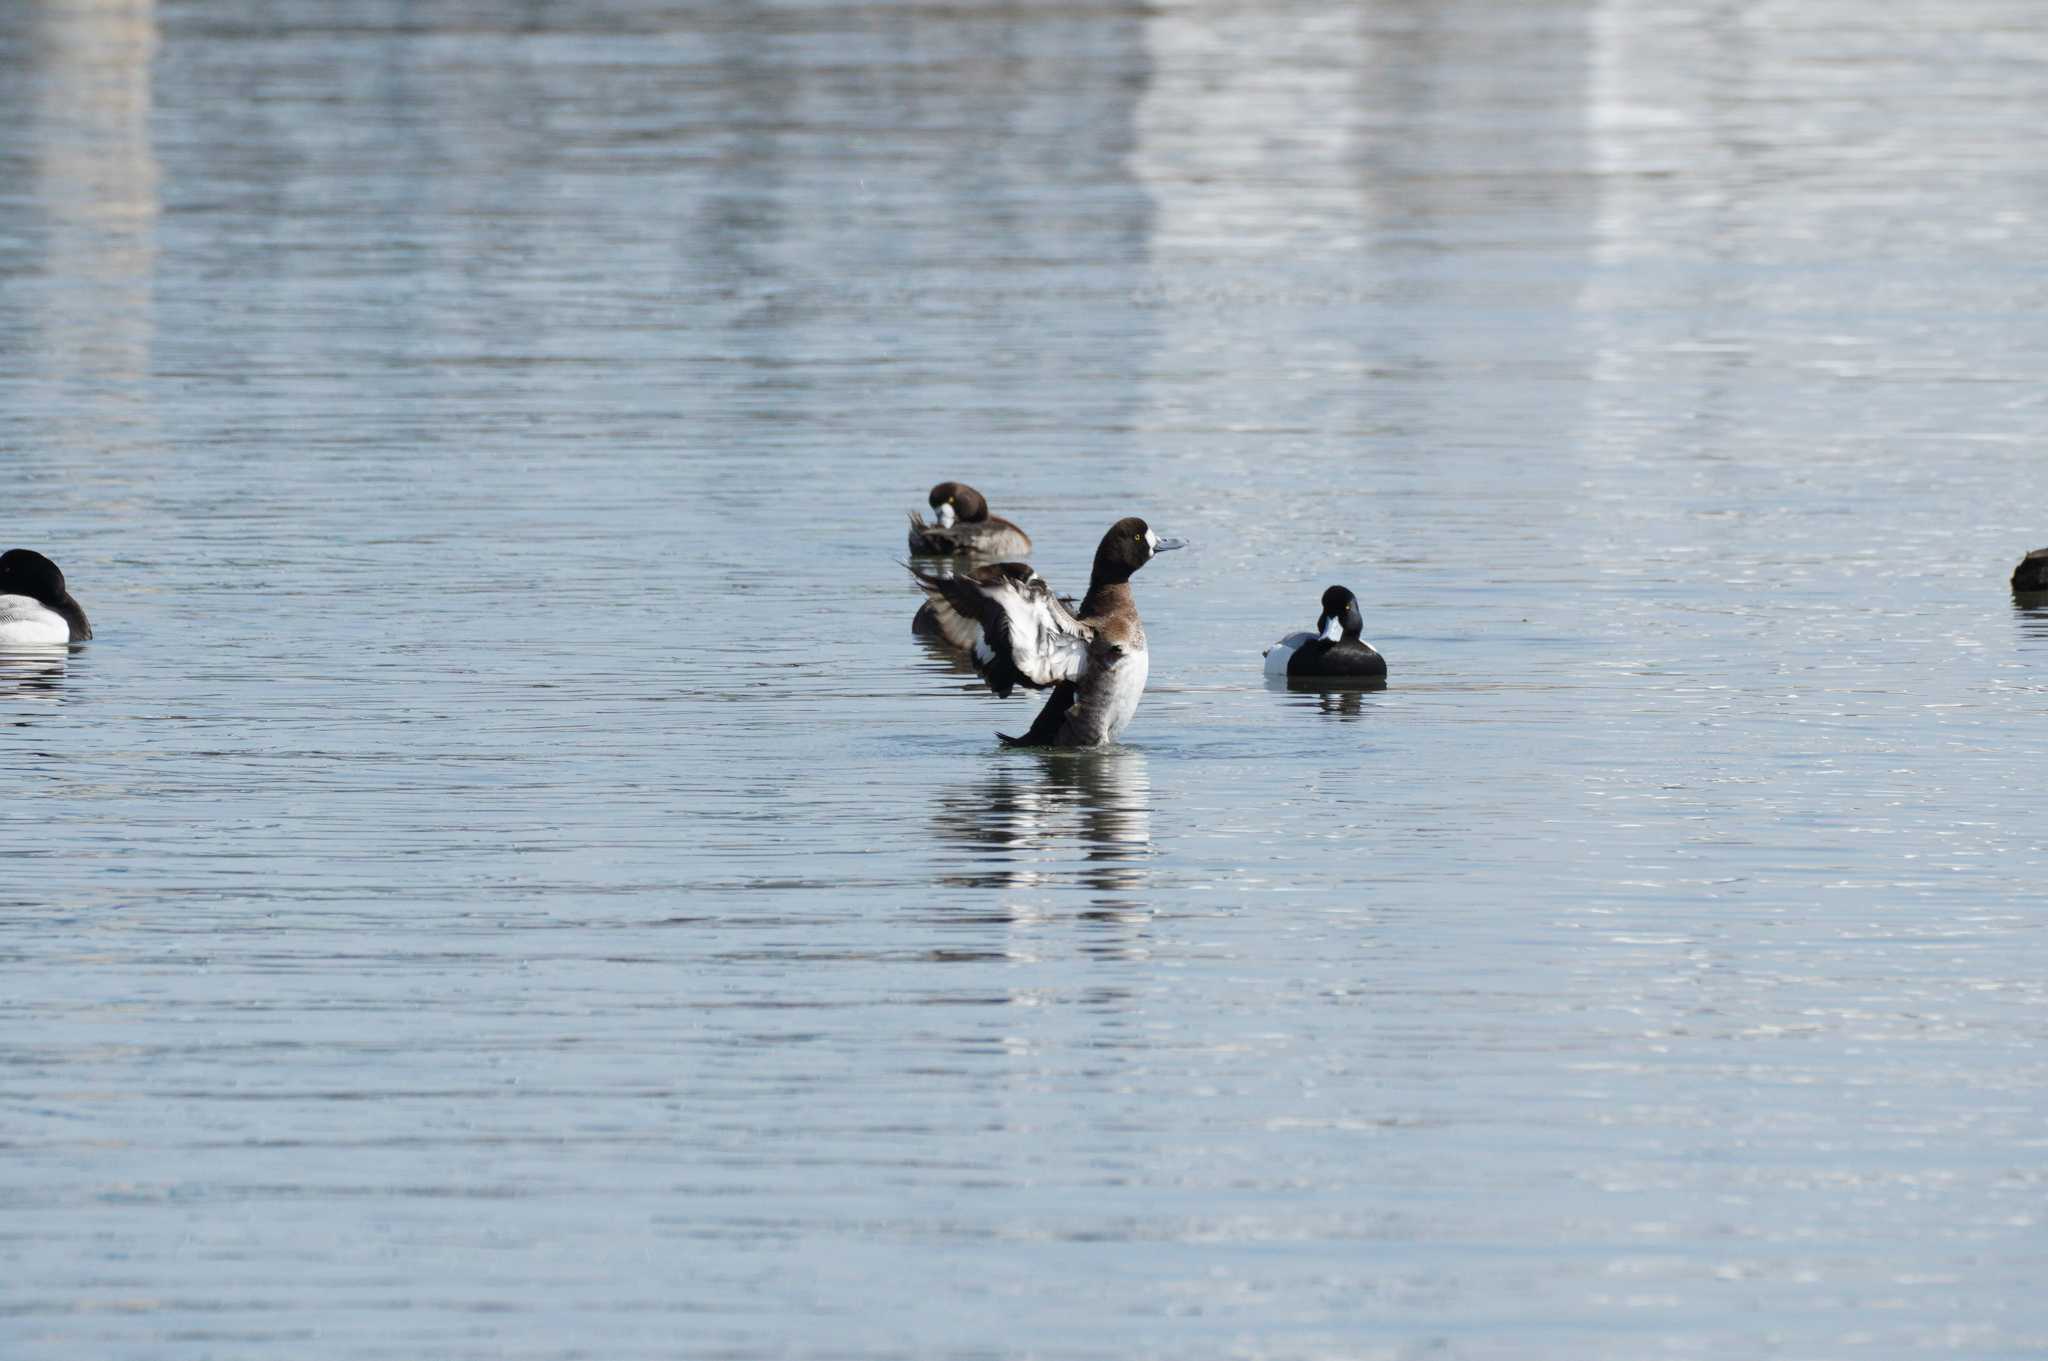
(929, 536)
(1008, 620)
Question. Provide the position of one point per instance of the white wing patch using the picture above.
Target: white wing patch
(1011, 623)
(1047, 643)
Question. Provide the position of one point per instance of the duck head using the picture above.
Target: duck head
(956, 502)
(1340, 617)
(1129, 545)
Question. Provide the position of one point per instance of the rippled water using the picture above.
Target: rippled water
(504, 882)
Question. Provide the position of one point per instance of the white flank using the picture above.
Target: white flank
(24, 619)
(1277, 656)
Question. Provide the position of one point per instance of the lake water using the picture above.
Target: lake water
(504, 883)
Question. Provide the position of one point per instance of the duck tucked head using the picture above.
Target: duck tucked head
(957, 502)
(53, 616)
(23, 571)
(1129, 545)
(1340, 617)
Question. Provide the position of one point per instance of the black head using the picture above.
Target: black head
(1129, 545)
(1342, 607)
(23, 571)
(967, 503)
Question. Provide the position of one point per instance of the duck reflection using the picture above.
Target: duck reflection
(1338, 701)
(2030, 608)
(1024, 821)
(33, 674)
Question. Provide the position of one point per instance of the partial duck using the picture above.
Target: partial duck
(34, 606)
(1019, 633)
(961, 525)
(1334, 652)
(2032, 573)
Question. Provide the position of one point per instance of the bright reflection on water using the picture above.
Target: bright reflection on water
(505, 883)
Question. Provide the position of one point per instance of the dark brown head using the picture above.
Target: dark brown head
(957, 502)
(1129, 545)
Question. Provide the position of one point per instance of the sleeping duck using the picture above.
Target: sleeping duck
(34, 606)
(962, 525)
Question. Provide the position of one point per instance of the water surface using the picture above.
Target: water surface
(504, 883)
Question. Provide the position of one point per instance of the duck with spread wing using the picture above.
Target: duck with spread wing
(1018, 632)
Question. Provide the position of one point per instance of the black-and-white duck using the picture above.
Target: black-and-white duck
(961, 526)
(1334, 652)
(34, 605)
(1019, 633)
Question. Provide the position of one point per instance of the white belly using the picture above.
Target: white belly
(24, 619)
(1131, 677)
(1112, 699)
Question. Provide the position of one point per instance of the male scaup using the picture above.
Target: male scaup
(1334, 651)
(962, 525)
(34, 606)
(2032, 573)
(1019, 633)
